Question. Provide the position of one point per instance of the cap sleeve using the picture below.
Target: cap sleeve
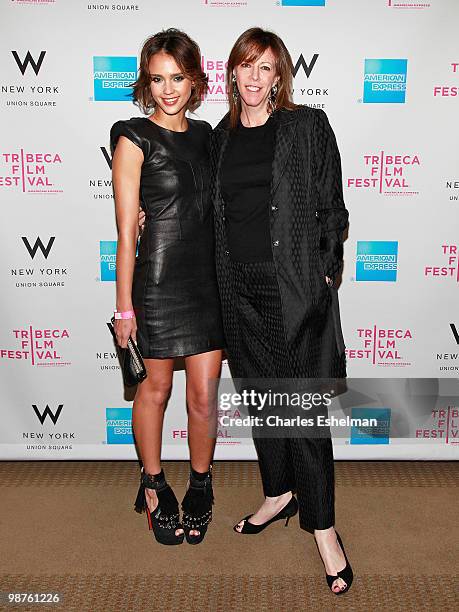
(122, 128)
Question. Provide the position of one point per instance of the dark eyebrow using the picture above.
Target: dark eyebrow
(173, 75)
(263, 62)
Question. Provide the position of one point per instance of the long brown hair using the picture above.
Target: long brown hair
(250, 45)
(186, 54)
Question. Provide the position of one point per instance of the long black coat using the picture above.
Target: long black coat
(307, 219)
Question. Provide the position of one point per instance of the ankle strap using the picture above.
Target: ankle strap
(200, 479)
(154, 481)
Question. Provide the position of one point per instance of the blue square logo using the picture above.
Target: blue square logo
(376, 261)
(385, 81)
(108, 260)
(303, 2)
(363, 434)
(113, 77)
(119, 425)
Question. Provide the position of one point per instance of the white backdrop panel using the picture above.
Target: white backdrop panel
(55, 185)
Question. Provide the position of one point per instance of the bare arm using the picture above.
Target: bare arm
(126, 167)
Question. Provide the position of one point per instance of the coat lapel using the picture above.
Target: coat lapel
(222, 144)
(285, 131)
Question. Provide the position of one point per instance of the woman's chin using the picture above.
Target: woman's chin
(254, 103)
(171, 110)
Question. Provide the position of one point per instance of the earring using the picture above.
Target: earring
(272, 99)
(235, 89)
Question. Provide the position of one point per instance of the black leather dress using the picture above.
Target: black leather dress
(174, 290)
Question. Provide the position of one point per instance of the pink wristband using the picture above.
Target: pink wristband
(127, 314)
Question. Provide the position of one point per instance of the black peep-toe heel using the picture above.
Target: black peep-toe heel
(345, 574)
(289, 510)
(164, 520)
(197, 505)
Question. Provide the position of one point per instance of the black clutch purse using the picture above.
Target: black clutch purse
(131, 362)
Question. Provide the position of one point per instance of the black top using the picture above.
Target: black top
(246, 186)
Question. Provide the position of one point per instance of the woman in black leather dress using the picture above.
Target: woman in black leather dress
(168, 294)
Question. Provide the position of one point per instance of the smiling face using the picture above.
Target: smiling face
(170, 88)
(255, 79)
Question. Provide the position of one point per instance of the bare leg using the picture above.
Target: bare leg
(202, 407)
(148, 416)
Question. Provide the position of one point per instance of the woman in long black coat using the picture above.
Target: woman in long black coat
(279, 221)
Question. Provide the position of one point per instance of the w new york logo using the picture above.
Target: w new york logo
(38, 244)
(28, 59)
(54, 416)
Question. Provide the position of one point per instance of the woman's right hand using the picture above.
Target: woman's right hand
(141, 221)
(125, 328)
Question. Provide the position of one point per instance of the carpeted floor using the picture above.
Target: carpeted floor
(70, 528)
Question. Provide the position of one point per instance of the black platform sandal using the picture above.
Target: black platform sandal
(289, 510)
(345, 574)
(165, 518)
(197, 505)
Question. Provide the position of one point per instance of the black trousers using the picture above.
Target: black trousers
(303, 465)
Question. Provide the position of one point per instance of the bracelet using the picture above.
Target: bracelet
(127, 314)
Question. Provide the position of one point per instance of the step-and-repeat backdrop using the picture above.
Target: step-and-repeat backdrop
(387, 74)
